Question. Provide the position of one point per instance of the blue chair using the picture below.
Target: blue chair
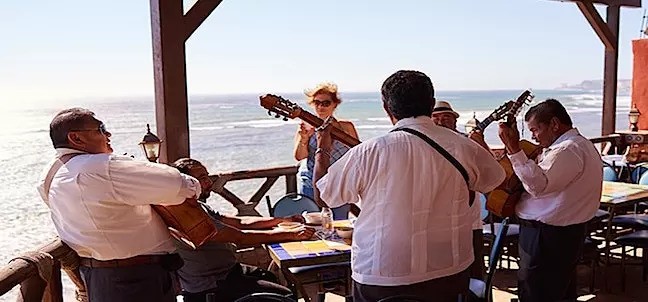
(639, 171)
(638, 240)
(482, 290)
(265, 297)
(291, 204)
(609, 174)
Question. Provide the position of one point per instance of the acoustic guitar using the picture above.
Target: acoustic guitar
(504, 198)
(286, 109)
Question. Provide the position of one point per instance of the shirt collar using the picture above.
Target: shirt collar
(565, 136)
(419, 120)
(65, 151)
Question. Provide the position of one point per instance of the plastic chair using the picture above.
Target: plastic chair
(263, 297)
(638, 239)
(482, 290)
(609, 174)
(291, 204)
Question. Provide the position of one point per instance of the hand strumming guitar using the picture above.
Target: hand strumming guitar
(510, 136)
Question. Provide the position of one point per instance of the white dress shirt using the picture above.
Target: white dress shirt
(415, 223)
(564, 187)
(100, 204)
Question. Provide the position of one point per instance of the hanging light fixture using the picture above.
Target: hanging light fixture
(633, 116)
(151, 145)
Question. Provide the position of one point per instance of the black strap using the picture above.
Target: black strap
(447, 156)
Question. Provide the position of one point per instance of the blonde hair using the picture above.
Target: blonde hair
(326, 87)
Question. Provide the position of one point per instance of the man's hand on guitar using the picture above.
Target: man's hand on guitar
(478, 137)
(510, 136)
(324, 139)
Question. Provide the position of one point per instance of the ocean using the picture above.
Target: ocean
(228, 133)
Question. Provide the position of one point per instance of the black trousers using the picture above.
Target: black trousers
(241, 281)
(446, 289)
(150, 282)
(477, 268)
(548, 258)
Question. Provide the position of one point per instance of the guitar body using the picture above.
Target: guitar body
(504, 198)
(188, 223)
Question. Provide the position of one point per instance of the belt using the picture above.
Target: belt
(531, 223)
(132, 261)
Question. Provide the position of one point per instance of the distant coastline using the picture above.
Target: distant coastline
(624, 86)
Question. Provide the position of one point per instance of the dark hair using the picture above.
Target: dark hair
(65, 121)
(544, 111)
(408, 93)
(184, 165)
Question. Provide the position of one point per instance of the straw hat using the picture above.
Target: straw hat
(443, 106)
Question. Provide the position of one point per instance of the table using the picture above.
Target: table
(312, 252)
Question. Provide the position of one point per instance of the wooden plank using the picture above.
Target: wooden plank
(171, 109)
(270, 181)
(610, 73)
(600, 27)
(291, 183)
(260, 173)
(231, 197)
(197, 15)
(54, 289)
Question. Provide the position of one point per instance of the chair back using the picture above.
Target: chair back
(263, 297)
(643, 180)
(495, 254)
(402, 298)
(609, 174)
(291, 204)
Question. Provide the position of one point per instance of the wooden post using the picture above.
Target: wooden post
(170, 72)
(610, 73)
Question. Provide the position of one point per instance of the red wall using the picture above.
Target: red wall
(640, 80)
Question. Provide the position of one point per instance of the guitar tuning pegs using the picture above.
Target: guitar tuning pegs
(277, 115)
(269, 113)
(285, 119)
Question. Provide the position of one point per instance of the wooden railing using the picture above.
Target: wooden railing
(24, 271)
(271, 176)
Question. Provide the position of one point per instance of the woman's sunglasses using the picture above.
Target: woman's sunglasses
(322, 103)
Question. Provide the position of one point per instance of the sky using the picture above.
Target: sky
(65, 49)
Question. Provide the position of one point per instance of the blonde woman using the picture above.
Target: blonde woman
(324, 99)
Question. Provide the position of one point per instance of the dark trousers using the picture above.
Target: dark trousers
(477, 268)
(548, 258)
(438, 290)
(150, 282)
(242, 280)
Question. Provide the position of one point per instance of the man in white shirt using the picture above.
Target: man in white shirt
(100, 206)
(414, 234)
(563, 191)
(443, 115)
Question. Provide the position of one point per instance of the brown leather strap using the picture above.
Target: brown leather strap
(132, 261)
(52, 171)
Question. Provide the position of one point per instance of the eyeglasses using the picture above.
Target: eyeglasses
(101, 128)
(325, 103)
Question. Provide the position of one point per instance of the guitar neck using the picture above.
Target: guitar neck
(483, 124)
(337, 133)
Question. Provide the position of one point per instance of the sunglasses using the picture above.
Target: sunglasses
(322, 103)
(101, 128)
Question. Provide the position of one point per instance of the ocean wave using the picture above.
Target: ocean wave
(265, 123)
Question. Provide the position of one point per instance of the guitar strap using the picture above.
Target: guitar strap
(52, 171)
(448, 156)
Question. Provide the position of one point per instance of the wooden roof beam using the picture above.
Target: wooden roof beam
(628, 3)
(197, 15)
(601, 28)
